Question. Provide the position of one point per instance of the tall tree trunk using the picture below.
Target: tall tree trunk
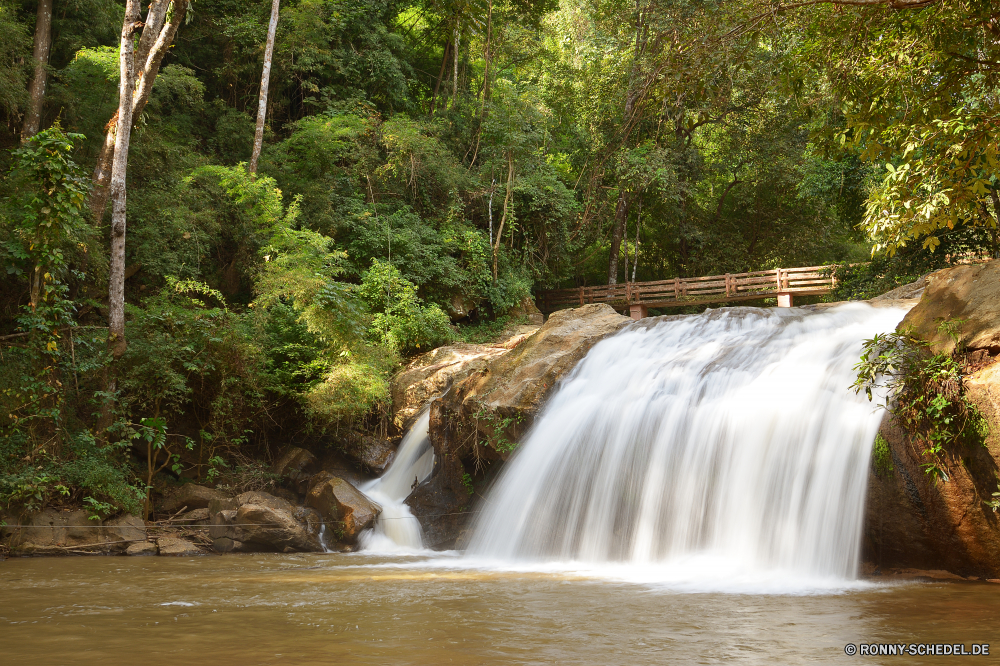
(40, 54)
(444, 65)
(631, 95)
(153, 45)
(116, 277)
(621, 218)
(506, 205)
(454, 85)
(265, 77)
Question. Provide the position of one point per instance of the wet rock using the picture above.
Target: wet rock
(481, 418)
(296, 464)
(431, 374)
(335, 463)
(343, 505)
(175, 547)
(141, 548)
(192, 496)
(915, 520)
(969, 293)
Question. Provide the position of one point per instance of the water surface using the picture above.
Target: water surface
(363, 609)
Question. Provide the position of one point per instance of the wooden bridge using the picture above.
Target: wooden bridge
(637, 297)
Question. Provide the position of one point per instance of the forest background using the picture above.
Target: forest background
(427, 165)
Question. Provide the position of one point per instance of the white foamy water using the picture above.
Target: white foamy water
(722, 451)
(397, 530)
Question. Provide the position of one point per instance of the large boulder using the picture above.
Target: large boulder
(343, 506)
(71, 531)
(479, 421)
(177, 547)
(295, 464)
(433, 373)
(915, 520)
(260, 521)
(969, 293)
(371, 454)
(190, 495)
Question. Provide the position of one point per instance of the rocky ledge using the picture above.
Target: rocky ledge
(915, 520)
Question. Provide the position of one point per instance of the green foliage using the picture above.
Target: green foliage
(881, 457)
(467, 483)
(925, 392)
(496, 426)
(15, 49)
(401, 321)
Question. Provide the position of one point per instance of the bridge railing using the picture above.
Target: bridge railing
(786, 282)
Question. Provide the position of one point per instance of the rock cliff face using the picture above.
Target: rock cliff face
(483, 416)
(914, 520)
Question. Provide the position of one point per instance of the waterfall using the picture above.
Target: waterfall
(396, 528)
(730, 436)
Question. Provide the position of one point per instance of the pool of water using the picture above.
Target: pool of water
(439, 609)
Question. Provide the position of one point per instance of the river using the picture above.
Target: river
(440, 609)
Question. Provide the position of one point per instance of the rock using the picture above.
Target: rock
(970, 293)
(270, 524)
(192, 496)
(296, 464)
(372, 454)
(460, 306)
(494, 405)
(71, 531)
(126, 528)
(433, 373)
(265, 528)
(906, 292)
(196, 517)
(528, 310)
(141, 548)
(172, 546)
(335, 463)
(265, 499)
(343, 505)
(916, 521)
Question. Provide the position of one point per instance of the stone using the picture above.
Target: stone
(265, 528)
(495, 403)
(916, 521)
(343, 505)
(371, 454)
(970, 293)
(433, 373)
(295, 464)
(196, 517)
(126, 527)
(55, 531)
(175, 547)
(141, 548)
(261, 498)
(460, 306)
(192, 496)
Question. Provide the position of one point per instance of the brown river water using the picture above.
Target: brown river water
(363, 609)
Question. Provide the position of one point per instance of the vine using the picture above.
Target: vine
(925, 392)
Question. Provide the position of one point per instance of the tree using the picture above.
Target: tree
(265, 78)
(163, 19)
(40, 55)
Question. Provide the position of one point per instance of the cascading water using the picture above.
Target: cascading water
(728, 438)
(396, 528)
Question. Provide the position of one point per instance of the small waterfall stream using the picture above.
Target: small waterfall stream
(397, 529)
(726, 442)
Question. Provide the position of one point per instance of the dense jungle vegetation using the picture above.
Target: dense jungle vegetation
(426, 165)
